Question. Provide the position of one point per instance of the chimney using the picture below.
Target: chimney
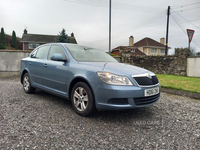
(72, 34)
(131, 41)
(25, 31)
(162, 41)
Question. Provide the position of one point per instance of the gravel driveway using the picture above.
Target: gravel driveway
(45, 121)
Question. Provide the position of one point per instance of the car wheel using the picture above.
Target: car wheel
(27, 84)
(82, 99)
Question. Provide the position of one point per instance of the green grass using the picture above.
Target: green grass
(190, 84)
(113, 55)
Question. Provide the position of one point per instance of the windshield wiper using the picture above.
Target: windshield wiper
(87, 48)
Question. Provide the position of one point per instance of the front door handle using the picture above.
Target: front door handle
(29, 63)
(45, 65)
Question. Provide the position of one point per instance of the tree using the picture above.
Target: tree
(2, 39)
(63, 37)
(193, 51)
(14, 40)
(198, 54)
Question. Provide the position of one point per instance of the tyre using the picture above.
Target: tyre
(27, 84)
(82, 99)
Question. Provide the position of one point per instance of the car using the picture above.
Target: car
(89, 77)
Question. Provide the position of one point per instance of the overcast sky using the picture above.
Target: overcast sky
(89, 21)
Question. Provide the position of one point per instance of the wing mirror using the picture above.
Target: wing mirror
(58, 57)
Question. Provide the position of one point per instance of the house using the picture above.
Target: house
(31, 41)
(147, 46)
(133, 50)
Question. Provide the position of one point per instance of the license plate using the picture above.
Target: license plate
(152, 91)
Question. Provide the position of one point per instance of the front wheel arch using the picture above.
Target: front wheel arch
(76, 80)
(82, 99)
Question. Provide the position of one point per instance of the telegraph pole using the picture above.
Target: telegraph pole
(109, 26)
(168, 13)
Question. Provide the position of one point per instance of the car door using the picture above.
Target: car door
(35, 64)
(55, 72)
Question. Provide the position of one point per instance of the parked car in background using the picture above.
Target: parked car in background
(89, 77)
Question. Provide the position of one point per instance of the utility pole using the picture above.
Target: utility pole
(168, 13)
(109, 26)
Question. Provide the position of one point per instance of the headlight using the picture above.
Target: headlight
(110, 78)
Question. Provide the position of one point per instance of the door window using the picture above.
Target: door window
(33, 55)
(55, 49)
(41, 52)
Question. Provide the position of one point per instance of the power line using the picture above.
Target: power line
(184, 31)
(175, 20)
(178, 6)
(152, 19)
(186, 9)
(121, 6)
(185, 19)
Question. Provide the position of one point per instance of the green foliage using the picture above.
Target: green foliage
(14, 40)
(63, 37)
(198, 54)
(193, 51)
(190, 84)
(2, 39)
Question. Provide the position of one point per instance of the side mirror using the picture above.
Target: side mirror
(58, 57)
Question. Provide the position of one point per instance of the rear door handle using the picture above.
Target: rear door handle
(29, 63)
(45, 65)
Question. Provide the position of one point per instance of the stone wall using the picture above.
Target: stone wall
(175, 64)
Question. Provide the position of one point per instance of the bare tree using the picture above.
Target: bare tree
(193, 51)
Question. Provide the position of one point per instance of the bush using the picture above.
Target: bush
(2, 46)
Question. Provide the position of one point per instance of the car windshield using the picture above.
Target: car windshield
(87, 54)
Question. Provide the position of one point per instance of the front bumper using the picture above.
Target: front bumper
(112, 97)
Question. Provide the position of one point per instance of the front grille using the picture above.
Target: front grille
(145, 81)
(146, 100)
(118, 101)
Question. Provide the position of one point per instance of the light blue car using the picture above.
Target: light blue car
(90, 78)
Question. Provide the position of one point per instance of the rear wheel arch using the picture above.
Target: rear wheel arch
(27, 84)
(22, 75)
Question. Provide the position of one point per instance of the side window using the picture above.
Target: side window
(33, 55)
(41, 52)
(55, 49)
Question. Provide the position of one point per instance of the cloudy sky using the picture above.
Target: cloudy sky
(89, 21)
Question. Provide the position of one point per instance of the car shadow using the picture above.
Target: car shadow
(52, 98)
(110, 116)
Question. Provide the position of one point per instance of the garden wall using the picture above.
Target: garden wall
(10, 62)
(175, 64)
(193, 66)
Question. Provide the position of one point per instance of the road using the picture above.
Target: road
(45, 121)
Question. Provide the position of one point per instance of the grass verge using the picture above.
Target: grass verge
(190, 84)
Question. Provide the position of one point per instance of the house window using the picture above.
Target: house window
(153, 51)
(132, 50)
(162, 51)
(33, 45)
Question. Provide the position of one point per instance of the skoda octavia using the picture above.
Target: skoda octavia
(89, 77)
